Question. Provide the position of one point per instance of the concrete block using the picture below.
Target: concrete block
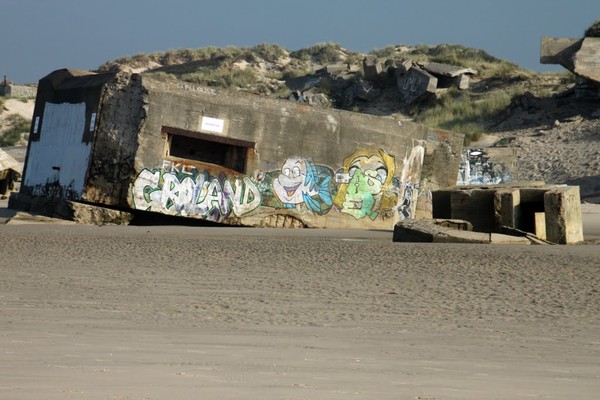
(507, 204)
(475, 206)
(414, 231)
(562, 206)
(456, 236)
(416, 83)
(498, 238)
(540, 225)
(372, 68)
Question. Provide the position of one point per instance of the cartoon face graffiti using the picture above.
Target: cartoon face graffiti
(368, 191)
(300, 182)
(291, 183)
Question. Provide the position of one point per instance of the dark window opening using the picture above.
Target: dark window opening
(226, 152)
(527, 220)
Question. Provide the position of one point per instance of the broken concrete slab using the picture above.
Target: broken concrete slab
(450, 75)
(580, 56)
(499, 238)
(415, 83)
(427, 231)
(448, 70)
(59, 208)
(587, 60)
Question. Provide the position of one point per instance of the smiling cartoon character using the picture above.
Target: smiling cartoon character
(369, 190)
(298, 183)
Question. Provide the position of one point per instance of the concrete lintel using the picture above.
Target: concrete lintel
(559, 51)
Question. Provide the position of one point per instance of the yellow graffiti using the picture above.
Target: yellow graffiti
(369, 190)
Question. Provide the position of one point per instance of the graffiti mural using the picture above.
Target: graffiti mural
(194, 194)
(367, 185)
(477, 168)
(410, 182)
(301, 182)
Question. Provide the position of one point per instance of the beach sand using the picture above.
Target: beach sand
(240, 313)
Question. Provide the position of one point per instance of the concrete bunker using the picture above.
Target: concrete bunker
(128, 142)
(549, 212)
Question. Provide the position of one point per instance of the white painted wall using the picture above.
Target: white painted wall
(60, 146)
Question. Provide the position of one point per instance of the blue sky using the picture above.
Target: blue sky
(39, 36)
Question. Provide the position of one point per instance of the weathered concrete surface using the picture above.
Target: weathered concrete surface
(186, 150)
(428, 231)
(562, 206)
(492, 208)
(491, 166)
(68, 210)
(450, 75)
(372, 68)
(580, 56)
(416, 83)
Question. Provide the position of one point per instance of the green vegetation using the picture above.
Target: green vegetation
(18, 127)
(486, 65)
(593, 30)
(462, 112)
(269, 52)
(322, 53)
(468, 113)
(221, 77)
(263, 68)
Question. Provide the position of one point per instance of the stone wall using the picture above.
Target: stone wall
(11, 90)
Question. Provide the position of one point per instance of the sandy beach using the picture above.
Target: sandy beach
(168, 312)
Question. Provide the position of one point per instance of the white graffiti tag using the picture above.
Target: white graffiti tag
(170, 193)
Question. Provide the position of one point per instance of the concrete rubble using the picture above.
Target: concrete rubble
(430, 231)
(580, 56)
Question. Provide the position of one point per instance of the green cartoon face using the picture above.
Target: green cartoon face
(361, 193)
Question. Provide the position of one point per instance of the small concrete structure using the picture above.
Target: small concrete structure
(415, 80)
(9, 89)
(129, 142)
(450, 75)
(514, 206)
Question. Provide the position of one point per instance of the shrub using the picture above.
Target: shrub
(18, 128)
(593, 30)
(461, 112)
(220, 77)
(269, 52)
(386, 52)
(322, 53)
